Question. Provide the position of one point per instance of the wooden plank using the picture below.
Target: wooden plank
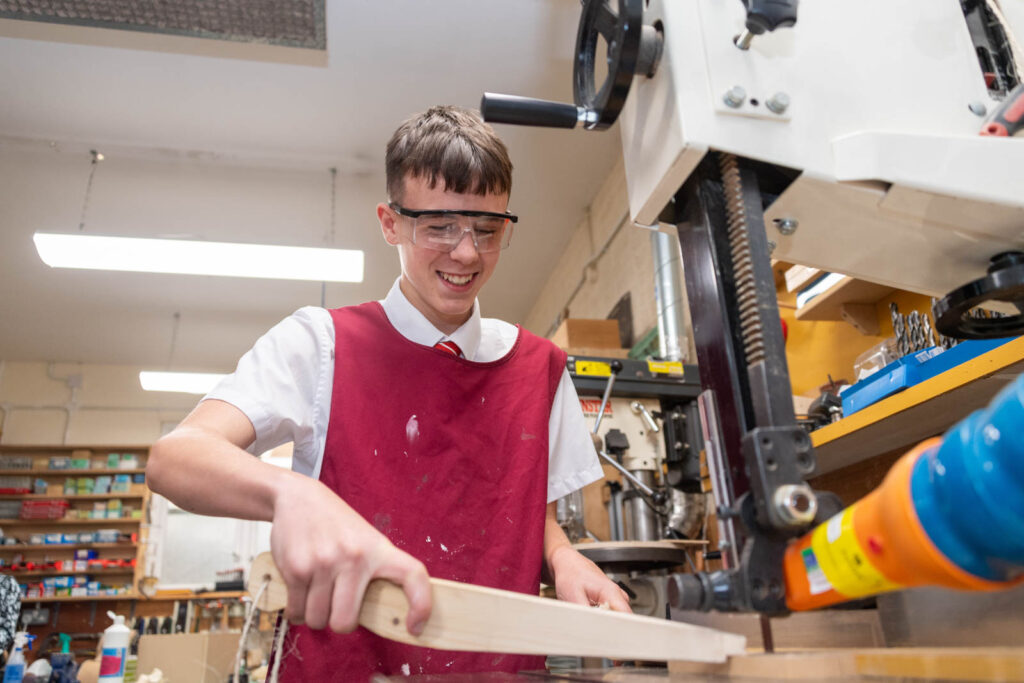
(919, 412)
(798, 276)
(80, 598)
(479, 619)
(819, 629)
(946, 664)
(863, 317)
(957, 664)
(814, 666)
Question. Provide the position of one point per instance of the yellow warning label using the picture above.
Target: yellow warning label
(844, 562)
(665, 367)
(593, 368)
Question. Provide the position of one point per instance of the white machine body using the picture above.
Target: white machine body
(895, 184)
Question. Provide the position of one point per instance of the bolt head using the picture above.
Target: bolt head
(795, 503)
(786, 226)
(778, 103)
(735, 96)
(978, 108)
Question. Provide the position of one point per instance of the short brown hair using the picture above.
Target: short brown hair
(450, 145)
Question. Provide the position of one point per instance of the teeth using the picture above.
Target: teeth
(457, 279)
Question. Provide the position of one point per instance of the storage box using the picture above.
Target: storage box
(192, 657)
(582, 333)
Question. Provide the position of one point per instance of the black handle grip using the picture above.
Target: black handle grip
(768, 15)
(527, 111)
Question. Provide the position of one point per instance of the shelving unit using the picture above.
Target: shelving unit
(64, 496)
(36, 547)
(62, 473)
(110, 521)
(137, 498)
(60, 572)
(849, 299)
(919, 412)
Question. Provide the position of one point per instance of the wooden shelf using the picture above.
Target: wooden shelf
(189, 595)
(919, 412)
(850, 300)
(30, 547)
(212, 595)
(68, 572)
(68, 472)
(81, 598)
(66, 522)
(75, 496)
(33, 449)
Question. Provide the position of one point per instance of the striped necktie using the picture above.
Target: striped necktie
(449, 346)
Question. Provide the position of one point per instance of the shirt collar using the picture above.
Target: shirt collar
(415, 327)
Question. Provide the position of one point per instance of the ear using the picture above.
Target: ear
(386, 217)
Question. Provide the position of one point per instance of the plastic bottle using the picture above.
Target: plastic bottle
(14, 672)
(63, 663)
(116, 640)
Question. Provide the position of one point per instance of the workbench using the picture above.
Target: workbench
(877, 665)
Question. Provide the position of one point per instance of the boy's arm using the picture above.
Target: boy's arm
(575, 578)
(327, 552)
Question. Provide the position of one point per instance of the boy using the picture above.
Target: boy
(422, 431)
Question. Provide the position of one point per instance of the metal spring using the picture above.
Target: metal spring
(751, 330)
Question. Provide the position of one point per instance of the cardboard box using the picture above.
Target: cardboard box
(192, 657)
(582, 333)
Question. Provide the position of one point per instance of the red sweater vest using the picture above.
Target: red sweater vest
(446, 457)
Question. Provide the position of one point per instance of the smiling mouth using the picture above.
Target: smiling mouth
(457, 280)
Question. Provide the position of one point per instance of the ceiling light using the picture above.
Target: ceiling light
(190, 257)
(184, 382)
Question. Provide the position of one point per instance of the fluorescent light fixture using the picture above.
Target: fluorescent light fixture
(191, 257)
(184, 382)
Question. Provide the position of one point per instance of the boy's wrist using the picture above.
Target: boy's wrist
(284, 488)
(553, 558)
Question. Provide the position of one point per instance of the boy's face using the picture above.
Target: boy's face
(436, 282)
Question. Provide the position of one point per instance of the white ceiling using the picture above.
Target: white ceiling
(238, 147)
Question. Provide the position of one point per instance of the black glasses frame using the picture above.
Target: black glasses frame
(411, 213)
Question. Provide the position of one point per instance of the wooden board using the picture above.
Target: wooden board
(975, 664)
(478, 619)
(821, 629)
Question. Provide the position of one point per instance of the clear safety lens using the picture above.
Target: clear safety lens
(444, 232)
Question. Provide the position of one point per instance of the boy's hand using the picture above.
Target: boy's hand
(327, 554)
(579, 580)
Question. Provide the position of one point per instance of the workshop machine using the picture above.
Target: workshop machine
(644, 420)
(873, 139)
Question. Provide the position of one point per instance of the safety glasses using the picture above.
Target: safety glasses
(443, 230)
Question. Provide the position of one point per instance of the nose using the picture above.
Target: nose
(465, 249)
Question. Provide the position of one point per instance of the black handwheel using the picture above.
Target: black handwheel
(1004, 282)
(621, 31)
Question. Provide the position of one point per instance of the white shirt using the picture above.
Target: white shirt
(285, 382)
